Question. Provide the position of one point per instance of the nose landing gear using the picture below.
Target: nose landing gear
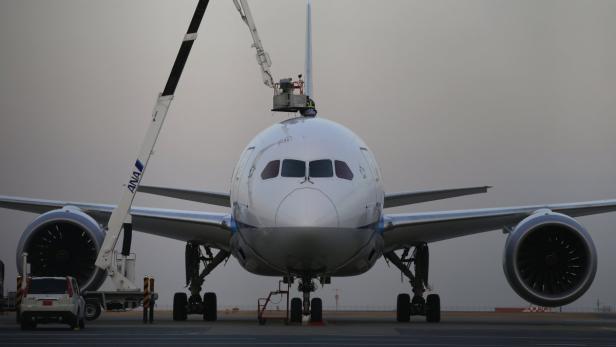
(417, 306)
(306, 307)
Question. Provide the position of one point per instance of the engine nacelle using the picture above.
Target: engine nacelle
(64, 242)
(550, 259)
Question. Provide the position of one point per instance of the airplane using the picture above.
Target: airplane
(307, 203)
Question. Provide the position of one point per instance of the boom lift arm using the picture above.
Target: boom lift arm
(121, 214)
(263, 58)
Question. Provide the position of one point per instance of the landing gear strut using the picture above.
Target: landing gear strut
(306, 307)
(417, 306)
(184, 305)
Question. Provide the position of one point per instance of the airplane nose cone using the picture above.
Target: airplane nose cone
(306, 207)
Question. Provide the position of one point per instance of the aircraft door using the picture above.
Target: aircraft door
(242, 175)
(239, 184)
(374, 169)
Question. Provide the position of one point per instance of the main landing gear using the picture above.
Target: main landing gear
(306, 307)
(183, 305)
(417, 305)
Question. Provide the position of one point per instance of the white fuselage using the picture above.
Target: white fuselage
(307, 199)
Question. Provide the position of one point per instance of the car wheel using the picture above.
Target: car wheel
(93, 309)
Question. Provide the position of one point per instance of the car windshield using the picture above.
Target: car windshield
(47, 286)
(321, 168)
(293, 168)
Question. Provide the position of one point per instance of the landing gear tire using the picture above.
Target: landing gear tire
(296, 310)
(433, 308)
(180, 302)
(93, 309)
(210, 307)
(316, 310)
(403, 308)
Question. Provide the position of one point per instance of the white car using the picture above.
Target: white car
(52, 299)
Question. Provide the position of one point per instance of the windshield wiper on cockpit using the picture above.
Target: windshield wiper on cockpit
(306, 179)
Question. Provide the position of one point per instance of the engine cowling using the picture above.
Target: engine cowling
(64, 242)
(550, 259)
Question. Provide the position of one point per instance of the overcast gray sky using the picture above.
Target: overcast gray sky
(515, 94)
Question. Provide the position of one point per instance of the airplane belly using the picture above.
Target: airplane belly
(307, 250)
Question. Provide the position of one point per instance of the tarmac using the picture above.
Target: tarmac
(338, 329)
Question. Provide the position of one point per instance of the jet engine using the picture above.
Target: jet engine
(550, 260)
(64, 242)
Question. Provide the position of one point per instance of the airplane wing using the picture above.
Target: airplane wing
(403, 230)
(210, 228)
(409, 198)
(212, 198)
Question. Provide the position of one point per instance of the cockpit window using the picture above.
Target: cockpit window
(343, 171)
(293, 168)
(321, 168)
(271, 170)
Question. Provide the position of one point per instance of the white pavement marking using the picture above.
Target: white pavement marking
(269, 343)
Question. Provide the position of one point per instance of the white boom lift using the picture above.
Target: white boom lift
(121, 214)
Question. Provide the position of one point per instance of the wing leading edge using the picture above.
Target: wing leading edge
(409, 198)
(212, 198)
(403, 230)
(210, 228)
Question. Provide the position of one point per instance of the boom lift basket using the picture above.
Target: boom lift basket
(287, 100)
